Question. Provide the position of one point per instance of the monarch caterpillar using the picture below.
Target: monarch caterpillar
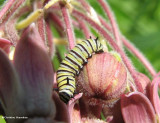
(72, 64)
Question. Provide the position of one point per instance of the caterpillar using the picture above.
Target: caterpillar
(72, 64)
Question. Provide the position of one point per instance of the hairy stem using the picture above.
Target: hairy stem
(85, 5)
(112, 21)
(9, 8)
(105, 24)
(113, 44)
(69, 30)
(50, 39)
(139, 55)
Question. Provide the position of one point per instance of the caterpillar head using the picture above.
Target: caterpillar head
(65, 97)
(100, 47)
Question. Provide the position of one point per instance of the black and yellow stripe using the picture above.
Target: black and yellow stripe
(72, 64)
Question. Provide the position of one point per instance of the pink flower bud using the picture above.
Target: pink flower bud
(103, 79)
(35, 72)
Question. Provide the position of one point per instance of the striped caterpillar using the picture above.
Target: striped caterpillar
(72, 64)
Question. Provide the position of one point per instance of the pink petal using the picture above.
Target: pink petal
(5, 44)
(62, 113)
(144, 81)
(154, 97)
(109, 118)
(36, 73)
(136, 108)
(74, 110)
(10, 89)
(76, 116)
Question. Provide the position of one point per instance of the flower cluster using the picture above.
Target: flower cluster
(109, 89)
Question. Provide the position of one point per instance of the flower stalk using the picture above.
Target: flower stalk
(69, 30)
(113, 44)
(139, 55)
(112, 21)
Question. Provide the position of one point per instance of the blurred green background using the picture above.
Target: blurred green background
(139, 21)
(1, 2)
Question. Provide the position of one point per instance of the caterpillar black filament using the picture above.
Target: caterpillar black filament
(72, 64)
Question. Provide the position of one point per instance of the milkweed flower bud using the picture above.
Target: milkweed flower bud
(26, 83)
(103, 79)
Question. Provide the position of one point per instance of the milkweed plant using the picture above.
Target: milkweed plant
(109, 89)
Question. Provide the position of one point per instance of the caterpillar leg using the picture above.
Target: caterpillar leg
(55, 89)
(75, 93)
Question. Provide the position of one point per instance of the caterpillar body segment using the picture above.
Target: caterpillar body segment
(72, 64)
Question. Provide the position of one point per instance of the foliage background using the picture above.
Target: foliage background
(139, 21)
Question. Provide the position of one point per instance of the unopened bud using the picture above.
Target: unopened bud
(103, 79)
